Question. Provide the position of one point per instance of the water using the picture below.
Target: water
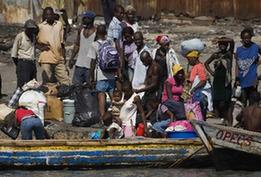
(131, 172)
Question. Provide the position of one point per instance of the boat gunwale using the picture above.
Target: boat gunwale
(227, 128)
(64, 142)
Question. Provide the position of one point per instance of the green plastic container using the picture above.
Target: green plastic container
(68, 110)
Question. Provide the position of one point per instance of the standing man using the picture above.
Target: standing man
(105, 79)
(140, 69)
(51, 44)
(152, 81)
(150, 88)
(85, 38)
(23, 53)
(115, 28)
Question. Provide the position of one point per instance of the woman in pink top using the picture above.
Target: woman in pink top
(173, 87)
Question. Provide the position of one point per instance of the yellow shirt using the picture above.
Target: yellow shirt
(23, 48)
(56, 5)
(51, 35)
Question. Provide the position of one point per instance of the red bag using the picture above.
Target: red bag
(140, 129)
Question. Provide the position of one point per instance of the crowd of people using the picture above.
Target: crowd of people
(147, 88)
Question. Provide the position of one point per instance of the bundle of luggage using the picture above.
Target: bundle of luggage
(76, 105)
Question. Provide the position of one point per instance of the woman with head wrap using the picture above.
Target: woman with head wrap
(128, 47)
(173, 87)
(165, 56)
(200, 88)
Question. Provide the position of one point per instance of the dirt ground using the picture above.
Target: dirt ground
(177, 28)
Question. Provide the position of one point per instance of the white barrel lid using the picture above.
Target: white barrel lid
(68, 101)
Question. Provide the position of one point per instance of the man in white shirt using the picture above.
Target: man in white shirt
(85, 38)
(23, 53)
(140, 69)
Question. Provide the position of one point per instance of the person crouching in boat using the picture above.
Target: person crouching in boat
(250, 117)
(112, 128)
(200, 88)
(29, 123)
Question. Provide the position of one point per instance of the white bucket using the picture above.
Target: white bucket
(68, 110)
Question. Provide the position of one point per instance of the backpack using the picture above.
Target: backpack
(109, 59)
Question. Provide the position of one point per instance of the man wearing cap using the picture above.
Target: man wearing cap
(85, 38)
(51, 43)
(23, 53)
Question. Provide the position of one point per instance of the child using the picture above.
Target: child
(117, 103)
(128, 47)
(112, 128)
(105, 79)
(147, 116)
(222, 76)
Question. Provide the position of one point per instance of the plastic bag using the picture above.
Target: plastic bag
(10, 126)
(179, 126)
(193, 111)
(33, 84)
(86, 107)
(192, 44)
(5, 112)
(66, 91)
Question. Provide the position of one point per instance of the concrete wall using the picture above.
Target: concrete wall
(17, 11)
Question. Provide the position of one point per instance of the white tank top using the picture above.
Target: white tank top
(85, 44)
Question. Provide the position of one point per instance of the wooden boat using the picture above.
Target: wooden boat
(96, 153)
(231, 148)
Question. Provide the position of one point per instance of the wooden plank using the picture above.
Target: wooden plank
(202, 136)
